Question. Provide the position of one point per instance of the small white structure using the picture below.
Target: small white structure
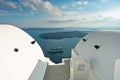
(96, 57)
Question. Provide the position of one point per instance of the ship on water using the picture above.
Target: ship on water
(56, 50)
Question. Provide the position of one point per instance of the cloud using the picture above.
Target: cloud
(52, 9)
(3, 11)
(113, 15)
(11, 5)
(65, 6)
(84, 20)
(7, 4)
(33, 7)
(40, 5)
(80, 3)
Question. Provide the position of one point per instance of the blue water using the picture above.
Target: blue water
(46, 44)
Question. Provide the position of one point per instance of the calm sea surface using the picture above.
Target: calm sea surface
(46, 44)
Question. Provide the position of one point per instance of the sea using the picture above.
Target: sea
(46, 44)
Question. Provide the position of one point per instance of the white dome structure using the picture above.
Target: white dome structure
(19, 54)
(97, 57)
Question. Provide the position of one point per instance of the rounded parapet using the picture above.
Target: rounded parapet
(19, 53)
(100, 49)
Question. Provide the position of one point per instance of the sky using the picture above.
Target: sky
(60, 13)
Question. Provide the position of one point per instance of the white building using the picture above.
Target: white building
(96, 57)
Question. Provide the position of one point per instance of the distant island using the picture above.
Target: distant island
(62, 35)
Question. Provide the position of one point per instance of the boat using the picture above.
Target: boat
(56, 50)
